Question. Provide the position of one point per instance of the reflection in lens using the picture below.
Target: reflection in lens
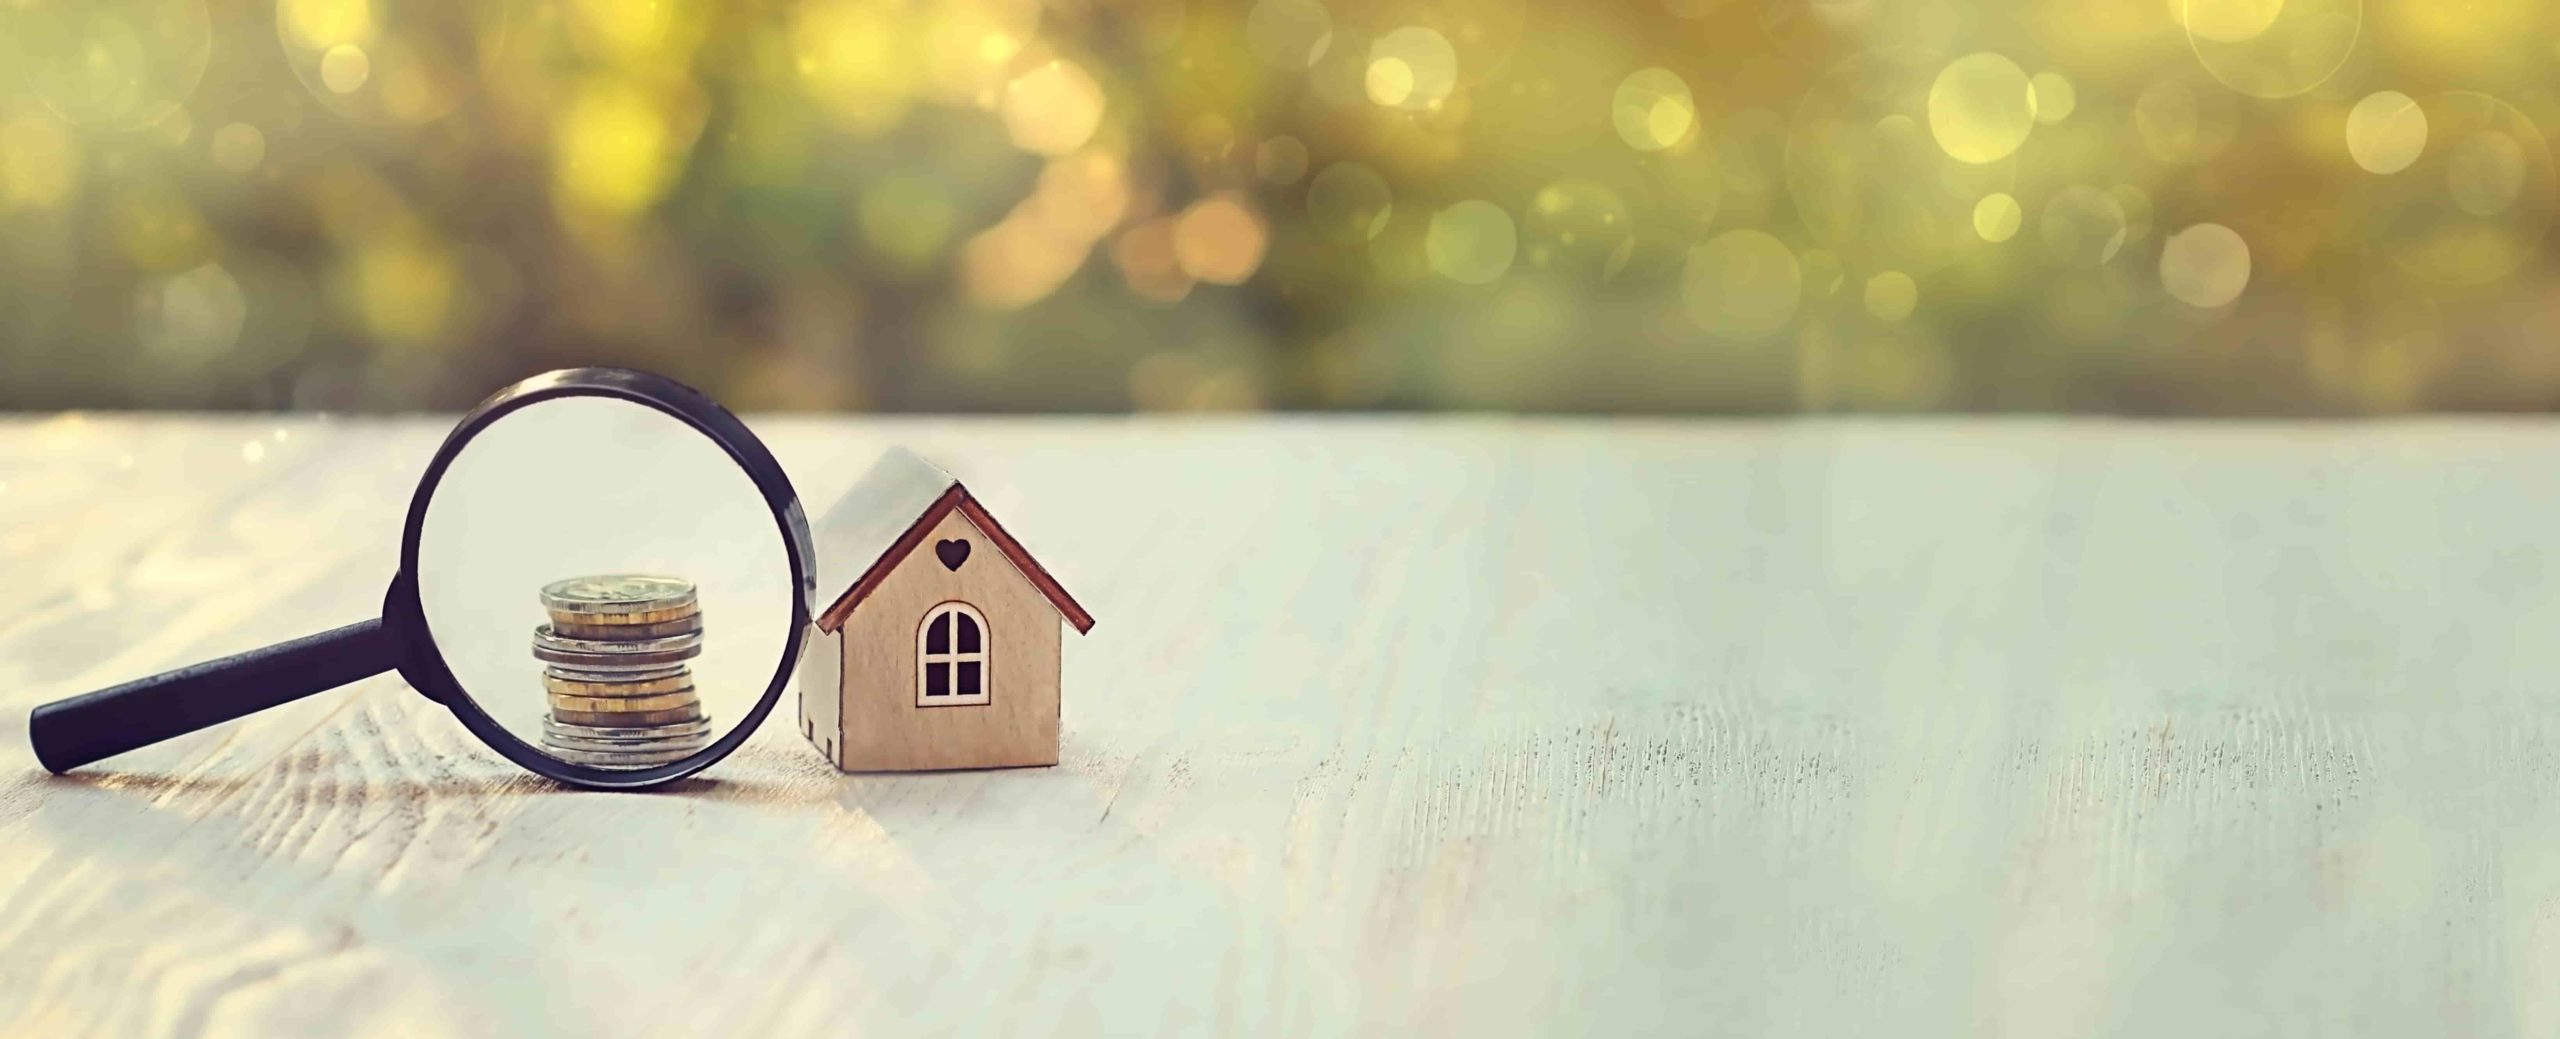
(604, 582)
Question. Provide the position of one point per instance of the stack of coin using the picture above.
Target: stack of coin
(614, 654)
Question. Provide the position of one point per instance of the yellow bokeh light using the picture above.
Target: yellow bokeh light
(1743, 284)
(322, 24)
(613, 151)
(1471, 242)
(39, 162)
(2476, 202)
(1653, 109)
(2272, 48)
(1868, 179)
(1412, 67)
(2231, 21)
(2386, 132)
(1997, 217)
(1981, 108)
(1220, 239)
(2055, 97)
(108, 64)
(1389, 81)
(1580, 223)
(2205, 266)
(345, 68)
(623, 32)
(1892, 296)
(402, 288)
(850, 63)
(1052, 109)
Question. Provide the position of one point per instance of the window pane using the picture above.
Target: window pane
(969, 678)
(968, 632)
(937, 680)
(937, 639)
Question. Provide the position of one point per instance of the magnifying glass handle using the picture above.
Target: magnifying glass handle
(73, 732)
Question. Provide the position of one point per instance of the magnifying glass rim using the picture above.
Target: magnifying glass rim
(423, 664)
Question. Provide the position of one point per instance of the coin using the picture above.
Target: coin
(643, 673)
(696, 727)
(545, 637)
(612, 661)
(622, 759)
(693, 741)
(599, 655)
(617, 594)
(625, 704)
(565, 625)
(628, 719)
(650, 687)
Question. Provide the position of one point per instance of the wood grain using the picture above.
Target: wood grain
(1466, 727)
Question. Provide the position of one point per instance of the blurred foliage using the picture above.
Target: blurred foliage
(2210, 206)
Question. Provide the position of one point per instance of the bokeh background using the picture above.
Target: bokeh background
(2138, 206)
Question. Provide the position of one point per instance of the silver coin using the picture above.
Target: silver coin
(624, 662)
(694, 742)
(620, 758)
(618, 593)
(592, 655)
(696, 727)
(686, 625)
(543, 636)
(642, 673)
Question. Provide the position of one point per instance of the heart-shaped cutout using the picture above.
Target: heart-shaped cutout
(952, 552)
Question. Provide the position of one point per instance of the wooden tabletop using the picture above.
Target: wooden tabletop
(1470, 727)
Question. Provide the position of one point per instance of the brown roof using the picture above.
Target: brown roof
(852, 532)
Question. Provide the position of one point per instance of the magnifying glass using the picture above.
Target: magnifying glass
(604, 575)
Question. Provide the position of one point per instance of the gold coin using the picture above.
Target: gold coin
(682, 682)
(618, 594)
(624, 704)
(658, 616)
(628, 719)
(572, 626)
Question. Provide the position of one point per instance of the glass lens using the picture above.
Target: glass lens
(604, 582)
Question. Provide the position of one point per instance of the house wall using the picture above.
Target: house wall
(883, 728)
(821, 667)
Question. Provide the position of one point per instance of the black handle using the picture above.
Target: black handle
(73, 732)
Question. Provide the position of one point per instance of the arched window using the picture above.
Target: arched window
(951, 656)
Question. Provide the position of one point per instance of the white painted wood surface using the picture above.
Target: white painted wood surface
(1466, 727)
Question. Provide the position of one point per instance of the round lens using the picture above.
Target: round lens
(604, 582)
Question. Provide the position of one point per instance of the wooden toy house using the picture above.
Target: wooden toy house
(940, 649)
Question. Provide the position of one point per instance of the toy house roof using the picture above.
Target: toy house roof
(887, 514)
